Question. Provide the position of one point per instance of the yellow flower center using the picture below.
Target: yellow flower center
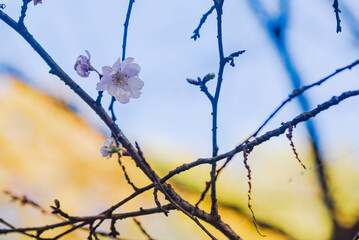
(121, 78)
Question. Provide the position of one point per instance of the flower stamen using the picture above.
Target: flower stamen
(121, 78)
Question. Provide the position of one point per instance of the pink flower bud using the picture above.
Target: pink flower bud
(208, 77)
(37, 2)
(82, 65)
(192, 81)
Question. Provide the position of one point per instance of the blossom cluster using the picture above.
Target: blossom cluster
(120, 81)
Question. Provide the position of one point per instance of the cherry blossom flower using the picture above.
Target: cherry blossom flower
(108, 148)
(121, 80)
(82, 65)
(37, 2)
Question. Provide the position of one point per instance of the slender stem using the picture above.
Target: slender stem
(203, 20)
(23, 12)
(127, 21)
(110, 108)
(219, 10)
(124, 44)
(337, 11)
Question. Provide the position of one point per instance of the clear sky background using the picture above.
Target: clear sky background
(172, 115)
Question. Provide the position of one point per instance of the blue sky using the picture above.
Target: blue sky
(171, 114)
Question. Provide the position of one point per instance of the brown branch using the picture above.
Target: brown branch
(87, 219)
(13, 227)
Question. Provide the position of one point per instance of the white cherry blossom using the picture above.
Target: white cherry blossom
(121, 80)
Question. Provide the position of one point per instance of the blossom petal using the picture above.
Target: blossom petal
(103, 84)
(122, 98)
(88, 54)
(121, 95)
(112, 89)
(132, 69)
(108, 141)
(135, 83)
(82, 70)
(117, 65)
(106, 70)
(126, 61)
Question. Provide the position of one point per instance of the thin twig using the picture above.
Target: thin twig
(23, 12)
(114, 233)
(126, 174)
(231, 57)
(14, 228)
(127, 21)
(290, 138)
(208, 184)
(25, 200)
(138, 223)
(299, 91)
(110, 108)
(158, 202)
(203, 194)
(99, 97)
(249, 176)
(203, 20)
(337, 11)
(124, 44)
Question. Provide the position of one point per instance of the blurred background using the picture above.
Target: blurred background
(50, 140)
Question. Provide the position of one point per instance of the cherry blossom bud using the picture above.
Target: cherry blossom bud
(37, 2)
(208, 77)
(82, 65)
(192, 81)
